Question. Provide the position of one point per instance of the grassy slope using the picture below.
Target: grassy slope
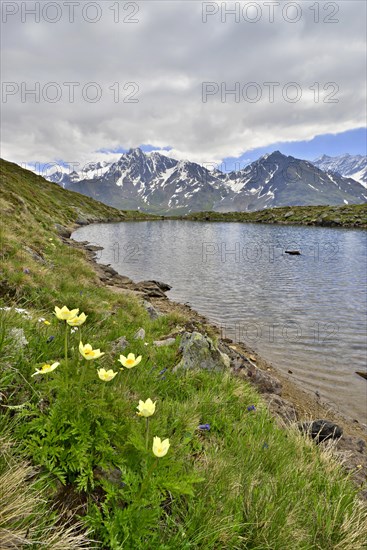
(348, 216)
(244, 484)
(25, 194)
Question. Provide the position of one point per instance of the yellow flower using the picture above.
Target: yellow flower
(64, 314)
(88, 353)
(47, 323)
(77, 321)
(146, 409)
(129, 362)
(106, 375)
(160, 448)
(46, 368)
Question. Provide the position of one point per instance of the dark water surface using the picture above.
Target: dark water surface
(305, 313)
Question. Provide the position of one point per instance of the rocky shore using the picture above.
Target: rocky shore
(293, 407)
(354, 216)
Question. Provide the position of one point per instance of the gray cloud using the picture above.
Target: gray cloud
(169, 53)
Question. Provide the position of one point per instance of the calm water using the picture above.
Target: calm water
(305, 313)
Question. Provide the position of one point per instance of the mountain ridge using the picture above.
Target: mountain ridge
(156, 183)
(353, 166)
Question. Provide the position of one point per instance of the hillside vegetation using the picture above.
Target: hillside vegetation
(353, 215)
(78, 467)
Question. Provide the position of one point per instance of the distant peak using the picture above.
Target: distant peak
(135, 151)
(274, 154)
(322, 158)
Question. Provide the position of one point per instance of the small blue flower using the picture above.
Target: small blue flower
(204, 427)
(265, 446)
(50, 339)
(251, 408)
(162, 371)
(26, 271)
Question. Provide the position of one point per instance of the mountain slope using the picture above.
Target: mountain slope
(351, 166)
(280, 180)
(157, 183)
(153, 183)
(32, 199)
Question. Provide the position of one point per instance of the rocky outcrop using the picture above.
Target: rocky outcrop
(35, 255)
(200, 352)
(151, 310)
(153, 289)
(264, 382)
(166, 342)
(245, 368)
(120, 344)
(62, 231)
(281, 407)
(321, 430)
(352, 451)
(140, 334)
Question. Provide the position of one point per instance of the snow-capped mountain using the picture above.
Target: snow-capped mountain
(154, 183)
(280, 180)
(64, 176)
(351, 166)
(157, 183)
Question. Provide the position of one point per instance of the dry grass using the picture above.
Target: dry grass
(24, 518)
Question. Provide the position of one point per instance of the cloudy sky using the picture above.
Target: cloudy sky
(206, 81)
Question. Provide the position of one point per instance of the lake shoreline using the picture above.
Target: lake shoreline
(291, 404)
(304, 400)
(293, 397)
(346, 216)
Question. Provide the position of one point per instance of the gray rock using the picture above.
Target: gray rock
(289, 214)
(321, 430)
(162, 286)
(200, 352)
(108, 269)
(62, 231)
(152, 311)
(167, 342)
(281, 407)
(152, 289)
(82, 221)
(140, 334)
(35, 255)
(263, 381)
(93, 247)
(113, 475)
(120, 344)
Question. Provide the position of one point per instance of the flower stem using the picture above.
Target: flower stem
(146, 479)
(66, 354)
(126, 379)
(147, 434)
(84, 368)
